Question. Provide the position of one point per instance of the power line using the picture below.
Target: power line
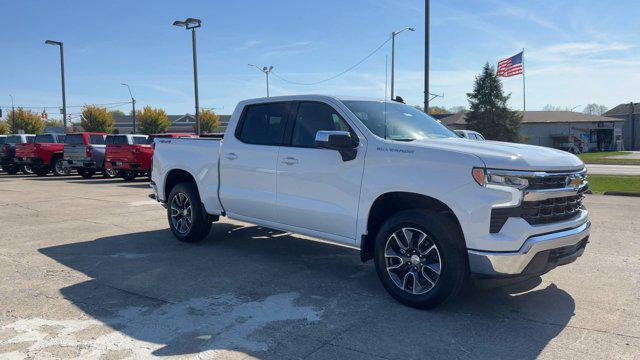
(339, 74)
(68, 106)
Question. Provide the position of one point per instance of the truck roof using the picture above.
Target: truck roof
(310, 97)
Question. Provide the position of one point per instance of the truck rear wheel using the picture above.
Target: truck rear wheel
(109, 173)
(420, 258)
(27, 170)
(128, 175)
(187, 218)
(11, 169)
(58, 168)
(86, 173)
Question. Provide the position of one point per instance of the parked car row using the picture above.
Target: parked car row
(87, 153)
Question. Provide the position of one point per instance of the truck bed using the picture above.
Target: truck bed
(198, 156)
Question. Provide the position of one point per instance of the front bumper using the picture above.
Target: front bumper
(538, 255)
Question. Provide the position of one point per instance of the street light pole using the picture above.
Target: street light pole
(393, 57)
(133, 106)
(266, 70)
(426, 56)
(64, 97)
(13, 116)
(192, 24)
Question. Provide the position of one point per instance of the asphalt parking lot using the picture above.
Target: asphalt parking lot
(89, 269)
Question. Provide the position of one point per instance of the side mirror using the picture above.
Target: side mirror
(340, 141)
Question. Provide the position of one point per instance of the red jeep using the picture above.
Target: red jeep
(43, 155)
(131, 155)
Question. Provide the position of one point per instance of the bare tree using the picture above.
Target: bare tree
(550, 107)
(595, 109)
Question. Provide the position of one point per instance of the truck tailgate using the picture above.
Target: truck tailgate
(76, 153)
(26, 151)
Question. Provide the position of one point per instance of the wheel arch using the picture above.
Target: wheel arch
(390, 203)
(175, 177)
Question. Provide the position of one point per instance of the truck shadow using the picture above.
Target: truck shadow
(271, 294)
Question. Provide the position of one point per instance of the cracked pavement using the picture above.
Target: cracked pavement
(89, 269)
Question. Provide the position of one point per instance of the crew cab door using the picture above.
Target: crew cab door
(248, 162)
(317, 190)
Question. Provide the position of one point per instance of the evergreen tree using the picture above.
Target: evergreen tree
(488, 113)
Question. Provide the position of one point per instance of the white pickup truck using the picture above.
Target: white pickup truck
(430, 208)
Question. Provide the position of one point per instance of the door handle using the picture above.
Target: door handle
(231, 156)
(289, 161)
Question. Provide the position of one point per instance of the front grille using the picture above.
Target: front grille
(548, 182)
(538, 212)
(551, 210)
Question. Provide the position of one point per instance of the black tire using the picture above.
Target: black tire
(57, 167)
(109, 173)
(86, 173)
(26, 170)
(128, 175)
(12, 169)
(200, 222)
(440, 231)
(41, 170)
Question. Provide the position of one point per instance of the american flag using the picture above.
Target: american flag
(510, 66)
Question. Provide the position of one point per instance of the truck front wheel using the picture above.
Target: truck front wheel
(187, 218)
(420, 258)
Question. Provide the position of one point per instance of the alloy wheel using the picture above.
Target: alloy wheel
(412, 260)
(181, 213)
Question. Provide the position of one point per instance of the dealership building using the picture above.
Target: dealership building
(561, 129)
(630, 113)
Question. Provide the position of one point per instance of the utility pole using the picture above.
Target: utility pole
(426, 56)
(393, 57)
(64, 98)
(266, 70)
(13, 116)
(133, 106)
(192, 24)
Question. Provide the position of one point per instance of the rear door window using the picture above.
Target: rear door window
(44, 138)
(117, 140)
(96, 139)
(263, 124)
(15, 139)
(30, 139)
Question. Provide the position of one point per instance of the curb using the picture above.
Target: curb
(622, 193)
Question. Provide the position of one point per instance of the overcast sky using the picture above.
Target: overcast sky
(576, 52)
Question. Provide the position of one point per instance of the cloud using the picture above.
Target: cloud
(289, 49)
(581, 49)
(249, 44)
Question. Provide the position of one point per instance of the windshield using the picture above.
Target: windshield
(44, 138)
(14, 139)
(117, 140)
(402, 122)
(74, 139)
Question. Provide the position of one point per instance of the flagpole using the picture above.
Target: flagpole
(524, 91)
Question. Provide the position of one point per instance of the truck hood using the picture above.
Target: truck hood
(505, 155)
